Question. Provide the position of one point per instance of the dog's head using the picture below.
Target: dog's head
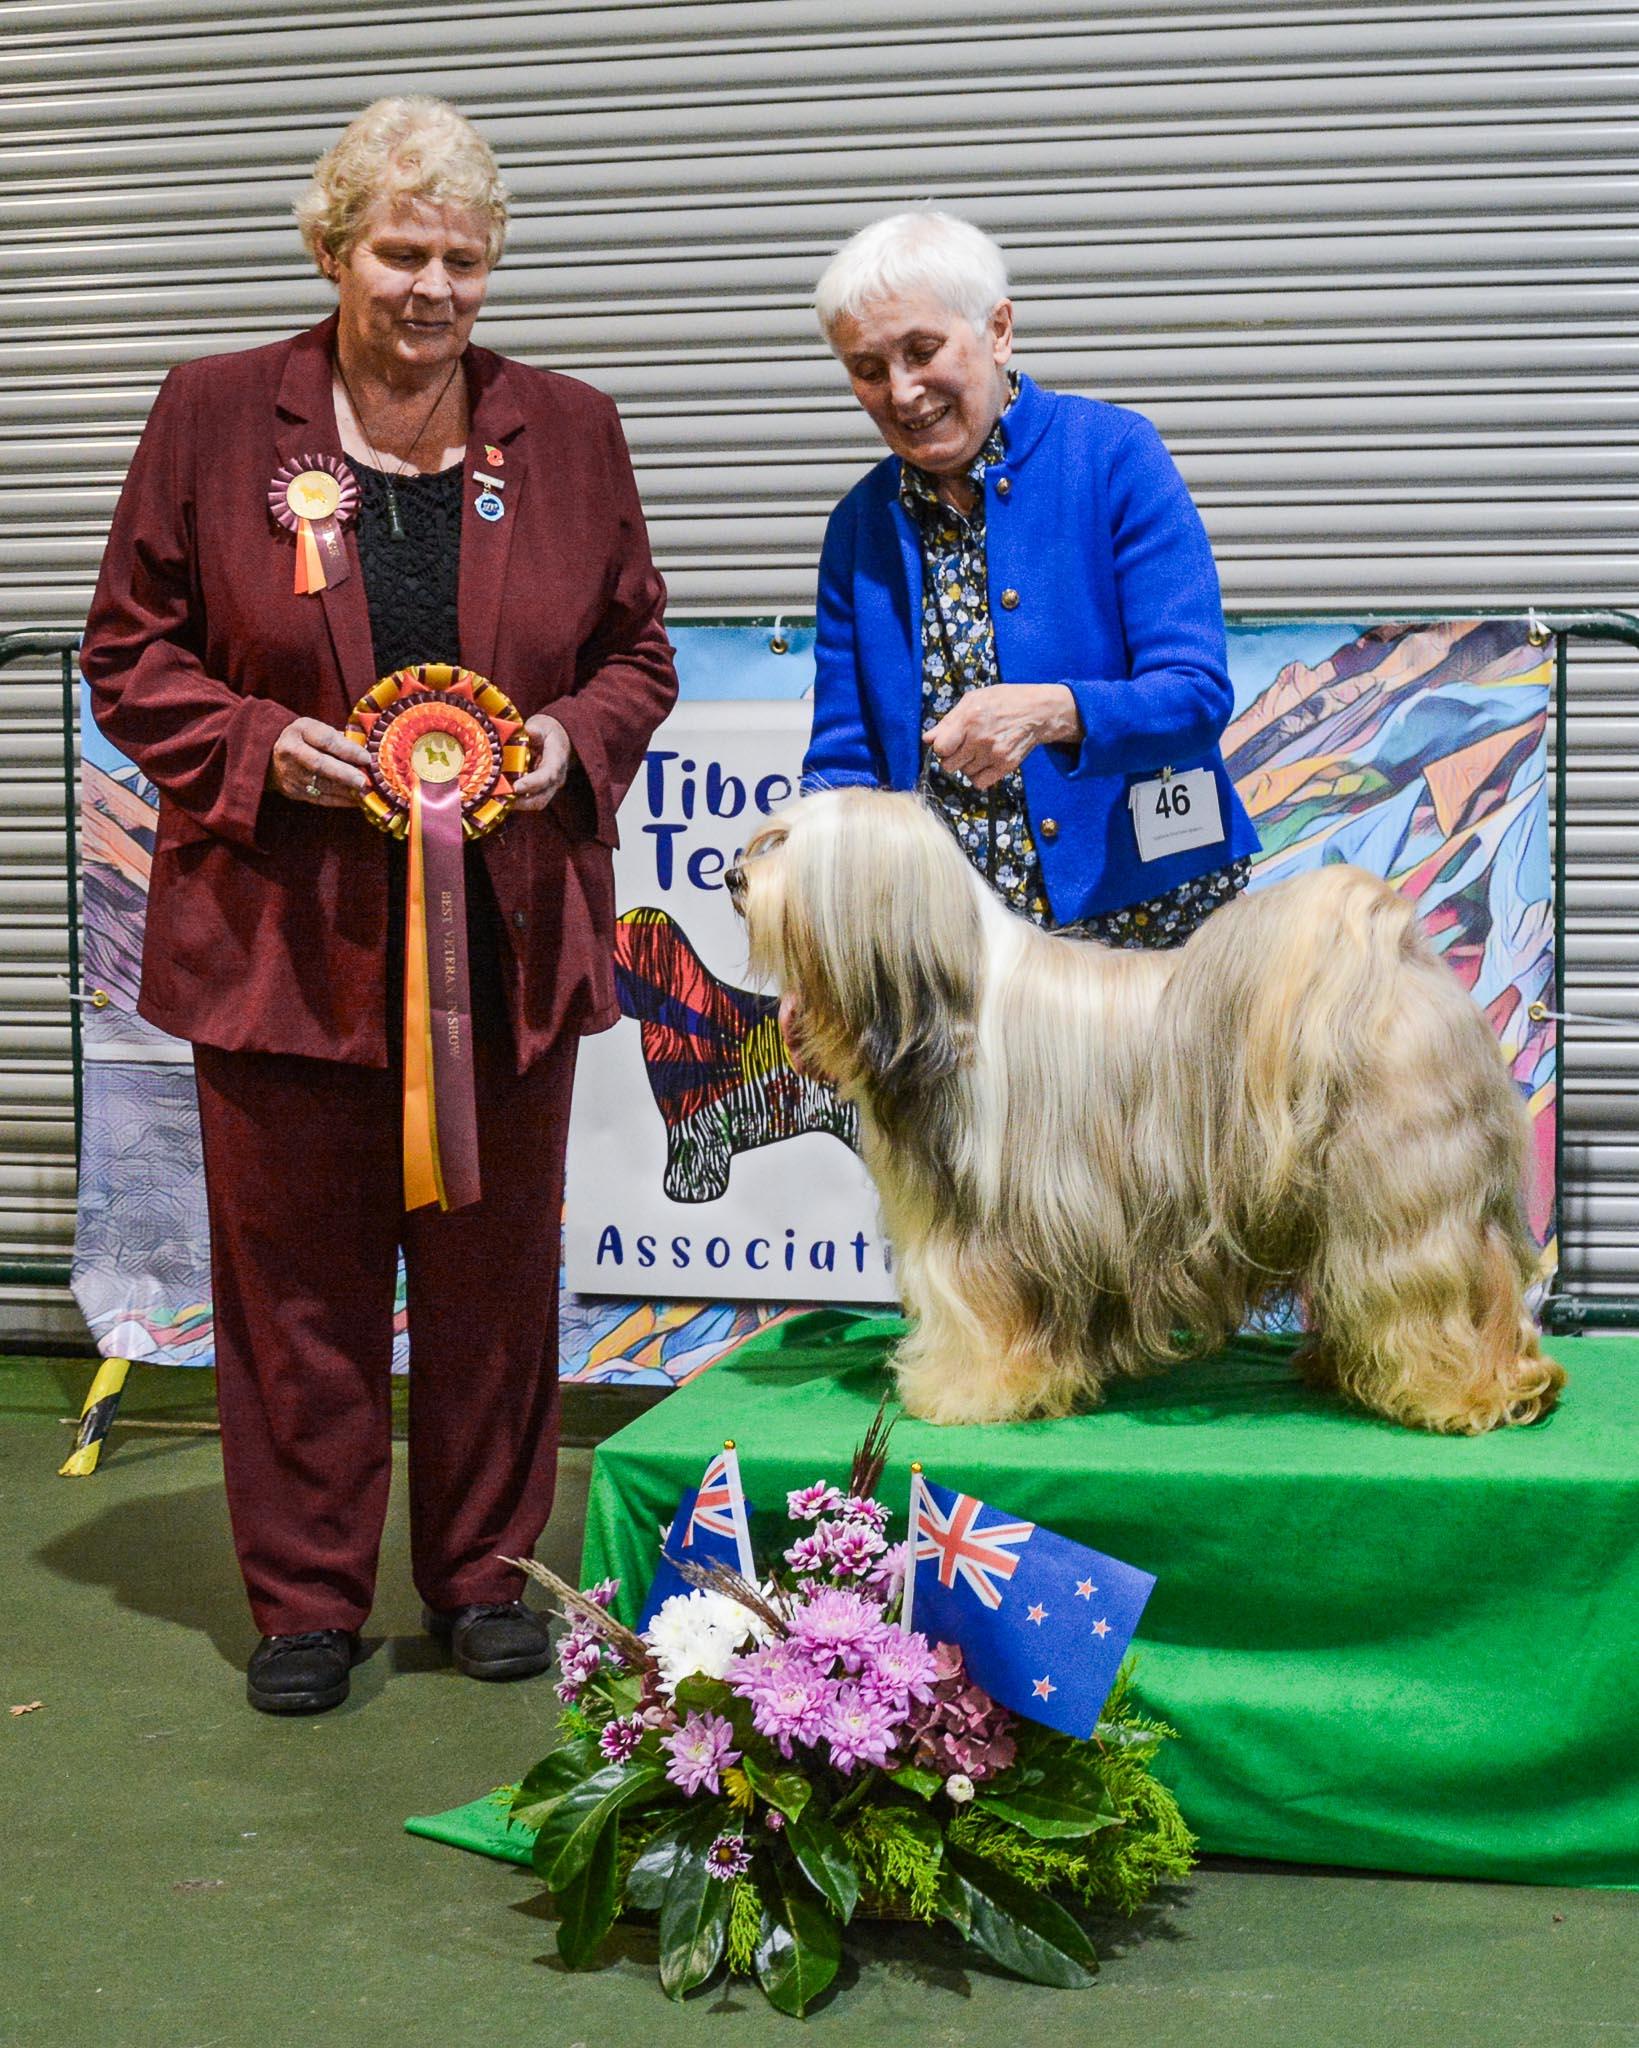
(860, 903)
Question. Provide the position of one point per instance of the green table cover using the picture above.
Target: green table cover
(483, 1825)
(1382, 1649)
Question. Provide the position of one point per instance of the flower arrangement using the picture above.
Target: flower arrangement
(768, 1760)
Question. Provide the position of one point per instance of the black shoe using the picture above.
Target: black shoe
(493, 1639)
(303, 1674)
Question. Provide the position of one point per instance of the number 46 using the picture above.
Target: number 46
(1172, 801)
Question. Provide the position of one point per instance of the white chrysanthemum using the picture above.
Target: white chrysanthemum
(698, 1635)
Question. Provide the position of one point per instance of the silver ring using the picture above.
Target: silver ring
(313, 788)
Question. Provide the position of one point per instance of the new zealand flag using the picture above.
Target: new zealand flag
(712, 1525)
(1042, 1622)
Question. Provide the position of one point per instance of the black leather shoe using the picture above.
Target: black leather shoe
(303, 1674)
(493, 1639)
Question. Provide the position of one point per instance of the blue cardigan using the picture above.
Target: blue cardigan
(1091, 532)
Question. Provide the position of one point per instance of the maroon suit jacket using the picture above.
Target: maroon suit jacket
(267, 920)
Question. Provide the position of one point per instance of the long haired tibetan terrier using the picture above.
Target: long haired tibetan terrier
(1093, 1161)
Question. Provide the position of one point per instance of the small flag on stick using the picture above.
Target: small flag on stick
(1042, 1622)
(712, 1524)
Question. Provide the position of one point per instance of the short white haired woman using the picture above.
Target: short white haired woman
(1018, 608)
(497, 527)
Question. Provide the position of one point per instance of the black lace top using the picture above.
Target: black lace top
(413, 585)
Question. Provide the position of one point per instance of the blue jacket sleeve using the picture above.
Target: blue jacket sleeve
(1178, 698)
(839, 747)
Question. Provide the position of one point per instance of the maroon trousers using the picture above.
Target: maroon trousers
(305, 1188)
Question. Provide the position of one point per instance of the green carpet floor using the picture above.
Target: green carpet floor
(178, 1872)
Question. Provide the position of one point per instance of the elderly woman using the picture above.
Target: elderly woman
(1018, 609)
(497, 526)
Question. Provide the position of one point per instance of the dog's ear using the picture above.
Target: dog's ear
(882, 941)
(916, 1026)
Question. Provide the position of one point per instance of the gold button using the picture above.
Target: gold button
(1049, 828)
(1003, 487)
(1010, 600)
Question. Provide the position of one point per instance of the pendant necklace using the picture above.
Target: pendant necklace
(395, 520)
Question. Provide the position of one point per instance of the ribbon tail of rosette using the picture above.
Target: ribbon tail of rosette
(309, 568)
(440, 1104)
(330, 552)
(422, 1179)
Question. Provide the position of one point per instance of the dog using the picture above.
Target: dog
(1092, 1162)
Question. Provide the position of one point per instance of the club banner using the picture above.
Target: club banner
(711, 1188)
(698, 1156)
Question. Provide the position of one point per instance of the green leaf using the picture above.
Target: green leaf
(1026, 1932)
(787, 1791)
(1125, 1735)
(823, 1859)
(588, 1903)
(552, 1779)
(649, 1876)
(800, 1947)
(624, 1689)
(954, 1902)
(570, 1830)
(694, 1910)
(700, 1695)
(923, 1783)
(1052, 1814)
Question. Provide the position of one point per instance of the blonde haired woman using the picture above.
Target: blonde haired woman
(496, 526)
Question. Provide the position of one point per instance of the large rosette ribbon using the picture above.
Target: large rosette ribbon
(445, 748)
(314, 497)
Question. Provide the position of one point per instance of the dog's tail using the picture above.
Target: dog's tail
(1434, 1332)
(1332, 1110)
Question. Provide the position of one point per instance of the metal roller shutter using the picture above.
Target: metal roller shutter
(1369, 270)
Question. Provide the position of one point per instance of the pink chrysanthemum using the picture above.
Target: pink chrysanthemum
(886, 1579)
(700, 1749)
(808, 1503)
(728, 1857)
(860, 1729)
(812, 1553)
(792, 1707)
(854, 1549)
(757, 1668)
(619, 1740)
(857, 1508)
(604, 1592)
(899, 1669)
(836, 1624)
(579, 1655)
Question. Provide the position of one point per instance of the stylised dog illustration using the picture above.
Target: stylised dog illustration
(722, 1078)
(1091, 1160)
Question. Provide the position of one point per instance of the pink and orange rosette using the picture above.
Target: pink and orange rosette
(446, 748)
(314, 497)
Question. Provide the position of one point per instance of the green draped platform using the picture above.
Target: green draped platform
(1380, 1649)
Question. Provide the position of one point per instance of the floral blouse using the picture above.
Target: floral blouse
(992, 827)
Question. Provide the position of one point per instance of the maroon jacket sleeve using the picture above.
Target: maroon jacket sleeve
(625, 681)
(202, 743)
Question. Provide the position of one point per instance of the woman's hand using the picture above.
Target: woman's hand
(990, 731)
(553, 753)
(312, 763)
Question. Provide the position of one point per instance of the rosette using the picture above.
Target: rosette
(314, 497)
(445, 749)
(437, 724)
